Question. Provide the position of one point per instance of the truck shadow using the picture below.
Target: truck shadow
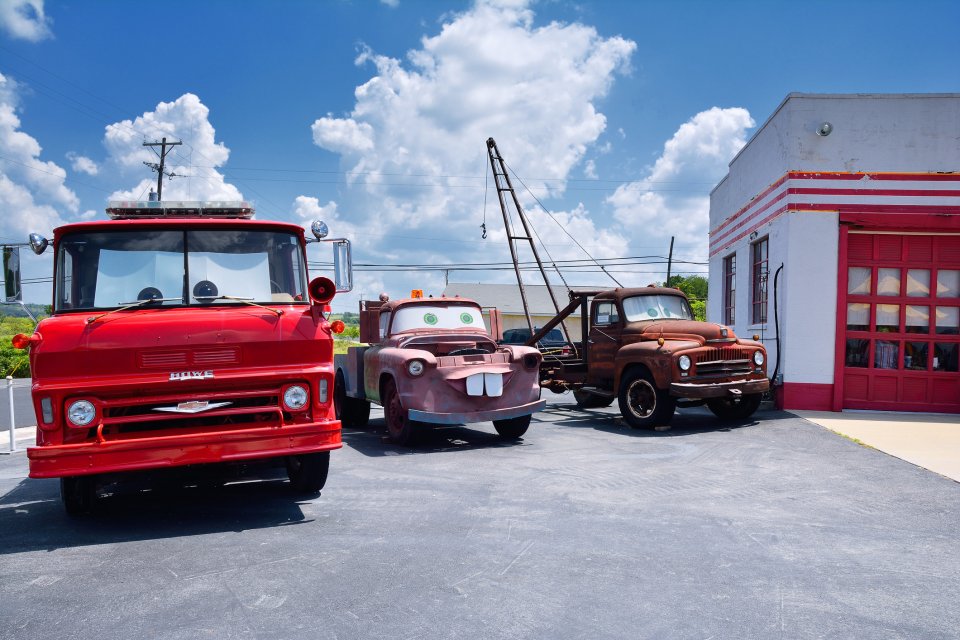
(32, 517)
(372, 440)
(686, 421)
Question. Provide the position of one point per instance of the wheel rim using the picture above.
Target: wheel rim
(641, 398)
(396, 420)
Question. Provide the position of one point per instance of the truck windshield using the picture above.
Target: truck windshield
(110, 269)
(656, 307)
(420, 316)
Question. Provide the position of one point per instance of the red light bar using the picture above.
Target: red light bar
(128, 210)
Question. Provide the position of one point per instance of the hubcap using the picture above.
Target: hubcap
(642, 398)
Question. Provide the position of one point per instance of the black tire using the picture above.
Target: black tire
(351, 412)
(513, 428)
(78, 494)
(735, 408)
(400, 428)
(587, 400)
(642, 404)
(308, 471)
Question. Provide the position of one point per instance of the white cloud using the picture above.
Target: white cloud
(25, 19)
(693, 160)
(590, 170)
(33, 195)
(343, 135)
(393, 4)
(196, 161)
(420, 124)
(83, 164)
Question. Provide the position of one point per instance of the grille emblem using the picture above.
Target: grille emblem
(191, 375)
(193, 406)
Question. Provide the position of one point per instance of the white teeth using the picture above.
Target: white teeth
(491, 382)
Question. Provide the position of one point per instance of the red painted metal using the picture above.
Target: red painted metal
(899, 387)
(128, 363)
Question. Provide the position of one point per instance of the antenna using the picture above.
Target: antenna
(163, 144)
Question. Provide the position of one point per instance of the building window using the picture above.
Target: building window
(759, 252)
(729, 289)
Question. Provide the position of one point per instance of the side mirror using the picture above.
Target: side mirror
(38, 243)
(11, 274)
(342, 265)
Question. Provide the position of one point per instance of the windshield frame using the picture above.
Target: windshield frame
(296, 265)
(391, 331)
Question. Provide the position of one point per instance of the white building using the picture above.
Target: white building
(844, 212)
(506, 298)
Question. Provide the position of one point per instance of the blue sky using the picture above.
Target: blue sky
(620, 116)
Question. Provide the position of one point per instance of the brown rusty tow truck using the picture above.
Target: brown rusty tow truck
(642, 347)
(432, 361)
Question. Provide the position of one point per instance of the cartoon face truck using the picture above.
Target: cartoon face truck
(182, 334)
(432, 361)
(643, 348)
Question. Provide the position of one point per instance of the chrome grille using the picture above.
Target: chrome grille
(725, 361)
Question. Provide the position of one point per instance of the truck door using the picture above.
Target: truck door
(606, 326)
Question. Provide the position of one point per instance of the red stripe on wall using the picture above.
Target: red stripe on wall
(753, 202)
(943, 193)
(803, 175)
(947, 212)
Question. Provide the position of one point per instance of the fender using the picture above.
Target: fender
(389, 362)
(657, 359)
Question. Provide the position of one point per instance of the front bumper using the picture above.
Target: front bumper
(718, 389)
(108, 456)
(476, 416)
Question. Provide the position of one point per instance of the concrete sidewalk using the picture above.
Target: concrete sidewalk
(928, 441)
(23, 436)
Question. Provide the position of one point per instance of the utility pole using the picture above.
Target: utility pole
(669, 263)
(163, 144)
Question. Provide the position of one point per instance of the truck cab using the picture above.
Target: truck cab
(181, 334)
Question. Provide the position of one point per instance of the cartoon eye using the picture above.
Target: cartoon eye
(466, 318)
(430, 318)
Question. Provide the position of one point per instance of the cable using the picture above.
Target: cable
(555, 220)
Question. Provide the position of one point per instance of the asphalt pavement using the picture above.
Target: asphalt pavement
(771, 528)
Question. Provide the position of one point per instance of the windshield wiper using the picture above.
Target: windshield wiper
(131, 305)
(237, 299)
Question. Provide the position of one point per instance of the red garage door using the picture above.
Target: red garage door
(900, 322)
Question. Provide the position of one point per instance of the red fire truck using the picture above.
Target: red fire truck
(183, 334)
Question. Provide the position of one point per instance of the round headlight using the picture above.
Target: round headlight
(81, 413)
(531, 361)
(415, 367)
(758, 358)
(684, 363)
(295, 397)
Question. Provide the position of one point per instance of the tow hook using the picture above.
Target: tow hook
(736, 393)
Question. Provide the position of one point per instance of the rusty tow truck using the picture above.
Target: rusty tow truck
(432, 361)
(643, 348)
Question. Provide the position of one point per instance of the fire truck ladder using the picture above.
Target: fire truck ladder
(504, 186)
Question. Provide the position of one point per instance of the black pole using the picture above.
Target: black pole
(669, 263)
